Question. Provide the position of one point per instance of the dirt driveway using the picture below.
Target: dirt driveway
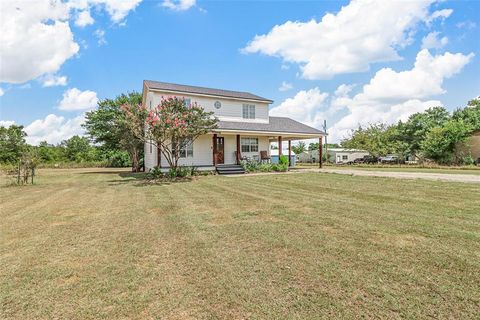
(406, 175)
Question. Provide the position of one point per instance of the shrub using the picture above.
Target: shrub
(468, 160)
(118, 159)
(155, 173)
(283, 160)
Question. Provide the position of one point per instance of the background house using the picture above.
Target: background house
(335, 155)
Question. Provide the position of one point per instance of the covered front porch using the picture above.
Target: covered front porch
(232, 147)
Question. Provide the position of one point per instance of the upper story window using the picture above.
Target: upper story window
(248, 111)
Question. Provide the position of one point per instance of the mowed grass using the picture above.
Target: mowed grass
(396, 168)
(99, 243)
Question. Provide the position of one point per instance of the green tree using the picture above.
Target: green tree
(170, 126)
(48, 153)
(470, 115)
(415, 129)
(12, 143)
(378, 139)
(299, 148)
(78, 149)
(107, 126)
(440, 142)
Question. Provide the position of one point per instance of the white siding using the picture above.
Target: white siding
(203, 152)
(231, 109)
(150, 157)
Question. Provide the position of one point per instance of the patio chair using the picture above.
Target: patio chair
(264, 157)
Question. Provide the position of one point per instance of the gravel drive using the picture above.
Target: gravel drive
(406, 175)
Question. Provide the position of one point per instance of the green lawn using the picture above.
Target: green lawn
(396, 168)
(99, 243)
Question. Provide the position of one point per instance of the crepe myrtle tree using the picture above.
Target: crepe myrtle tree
(170, 126)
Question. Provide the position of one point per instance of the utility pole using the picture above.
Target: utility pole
(326, 146)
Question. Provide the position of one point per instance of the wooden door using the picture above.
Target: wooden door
(220, 150)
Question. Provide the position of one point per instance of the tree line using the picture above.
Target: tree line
(108, 141)
(433, 135)
(117, 131)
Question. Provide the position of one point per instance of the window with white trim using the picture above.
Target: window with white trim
(344, 157)
(249, 144)
(186, 150)
(248, 111)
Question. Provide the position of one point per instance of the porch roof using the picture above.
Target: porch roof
(276, 125)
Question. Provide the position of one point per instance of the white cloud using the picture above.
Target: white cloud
(466, 24)
(54, 129)
(84, 19)
(35, 39)
(51, 80)
(432, 41)
(303, 107)
(100, 35)
(361, 33)
(118, 9)
(285, 86)
(1, 92)
(439, 14)
(391, 96)
(178, 5)
(74, 99)
(6, 123)
(344, 89)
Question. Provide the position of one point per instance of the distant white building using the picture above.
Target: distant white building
(341, 155)
(336, 155)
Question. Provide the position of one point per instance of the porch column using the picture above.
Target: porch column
(289, 153)
(214, 149)
(320, 152)
(279, 146)
(238, 149)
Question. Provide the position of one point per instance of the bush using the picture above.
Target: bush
(283, 160)
(154, 174)
(255, 166)
(118, 159)
(468, 160)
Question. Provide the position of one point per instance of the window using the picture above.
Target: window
(187, 102)
(248, 111)
(186, 149)
(249, 144)
(344, 157)
(150, 146)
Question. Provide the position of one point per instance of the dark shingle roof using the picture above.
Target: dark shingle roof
(276, 124)
(201, 90)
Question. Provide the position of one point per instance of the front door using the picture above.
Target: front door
(220, 150)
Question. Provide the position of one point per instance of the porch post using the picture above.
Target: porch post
(289, 153)
(279, 146)
(320, 152)
(238, 149)
(215, 149)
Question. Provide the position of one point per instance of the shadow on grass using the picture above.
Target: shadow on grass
(141, 180)
(108, 172)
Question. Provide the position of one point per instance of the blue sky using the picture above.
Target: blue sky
(357, 65)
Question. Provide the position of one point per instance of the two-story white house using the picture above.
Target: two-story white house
(245, 129)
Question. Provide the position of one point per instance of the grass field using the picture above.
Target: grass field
(403, 168)
(99, 243)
